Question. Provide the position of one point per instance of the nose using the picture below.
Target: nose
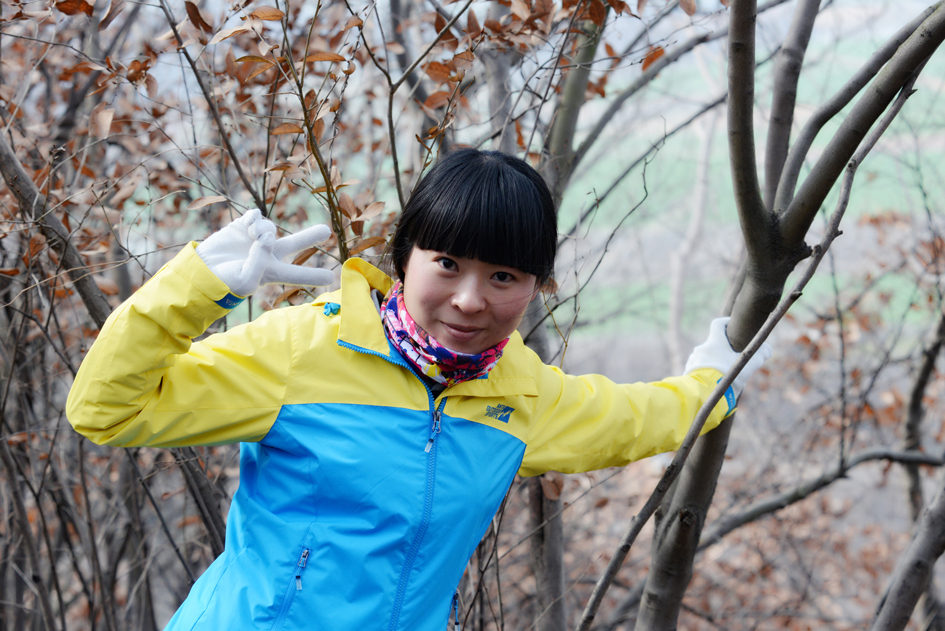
(469, 297)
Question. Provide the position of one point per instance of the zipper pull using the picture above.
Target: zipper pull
(456, 611)
(298, 570)
(433, 430)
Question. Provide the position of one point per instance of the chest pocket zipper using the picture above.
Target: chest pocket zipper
(298, 570)
(279, 622)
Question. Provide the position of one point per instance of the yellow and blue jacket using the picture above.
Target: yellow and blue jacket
(362, 495)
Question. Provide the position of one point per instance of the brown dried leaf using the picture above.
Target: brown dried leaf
(227, 32)
(520, 9)
(545, 9)
(654, 53)
(619, 6)
(256, 59)
(11, 271)
(281, 166)
(318, 128)
(447, 37)
(493, 25)
(200, 202)
(114, 9)
(194, 14)
(437, 71)
(286, 128)
(151, 86)
(689, 6)
(437, 100)
(472, 25)
(373, 210)
(365, 244)
(269, 14)
(75, 7)
(306, 254)
(641, 4)
(597, 13)
(463, 60)
(37, 243)
(325, 56)
(346, 205)
(258, 71)
(288, 294)
(352, 22)
(265, 47)
(100, 121)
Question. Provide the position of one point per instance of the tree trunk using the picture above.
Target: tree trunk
(547, 547)
(914, 571)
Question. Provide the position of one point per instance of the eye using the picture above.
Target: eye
(503, 277)
(447, 263)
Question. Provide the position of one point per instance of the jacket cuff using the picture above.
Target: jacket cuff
(713, 376)
(191, 268)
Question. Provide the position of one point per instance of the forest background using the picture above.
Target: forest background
(703, 159)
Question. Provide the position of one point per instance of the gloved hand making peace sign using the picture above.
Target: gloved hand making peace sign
(245, 254)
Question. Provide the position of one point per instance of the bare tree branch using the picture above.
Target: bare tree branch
(795, 159)
(805, 205)
(34, 206)
(557, 161)
(914, 569)
(787, 71)
(752, 214)
(757, 510)
(214, 111)
(23, 525)
(648, 75)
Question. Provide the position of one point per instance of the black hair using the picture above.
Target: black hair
(484, 205)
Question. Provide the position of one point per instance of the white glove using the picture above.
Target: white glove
(245, 255)
(717, 353)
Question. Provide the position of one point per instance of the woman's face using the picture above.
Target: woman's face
(465, 304)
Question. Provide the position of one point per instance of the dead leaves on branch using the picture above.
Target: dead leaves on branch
(268, 14)
(75, 7)
(196, 18)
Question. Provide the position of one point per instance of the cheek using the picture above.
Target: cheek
(513, 311)
(420, 305)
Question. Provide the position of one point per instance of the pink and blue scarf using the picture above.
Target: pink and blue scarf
(424, 353)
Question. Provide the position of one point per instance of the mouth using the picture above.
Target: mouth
(460, 332)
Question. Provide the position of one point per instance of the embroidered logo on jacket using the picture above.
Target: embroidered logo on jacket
(499, 412)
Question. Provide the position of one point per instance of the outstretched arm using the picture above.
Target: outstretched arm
(145, 382)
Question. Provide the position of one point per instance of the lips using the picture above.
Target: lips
(460, 332)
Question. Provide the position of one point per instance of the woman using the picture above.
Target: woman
(382, 424)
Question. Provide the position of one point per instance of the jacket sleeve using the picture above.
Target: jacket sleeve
(588, 422)
(146, 382)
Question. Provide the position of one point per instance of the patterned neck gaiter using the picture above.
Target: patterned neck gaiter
(426, 354)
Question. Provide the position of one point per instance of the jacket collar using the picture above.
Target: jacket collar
(361, 328)
(360, 324)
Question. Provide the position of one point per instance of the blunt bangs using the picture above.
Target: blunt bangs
(481, 205)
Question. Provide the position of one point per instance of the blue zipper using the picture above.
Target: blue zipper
(430, 450)
(279, 623)
(298, 570)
